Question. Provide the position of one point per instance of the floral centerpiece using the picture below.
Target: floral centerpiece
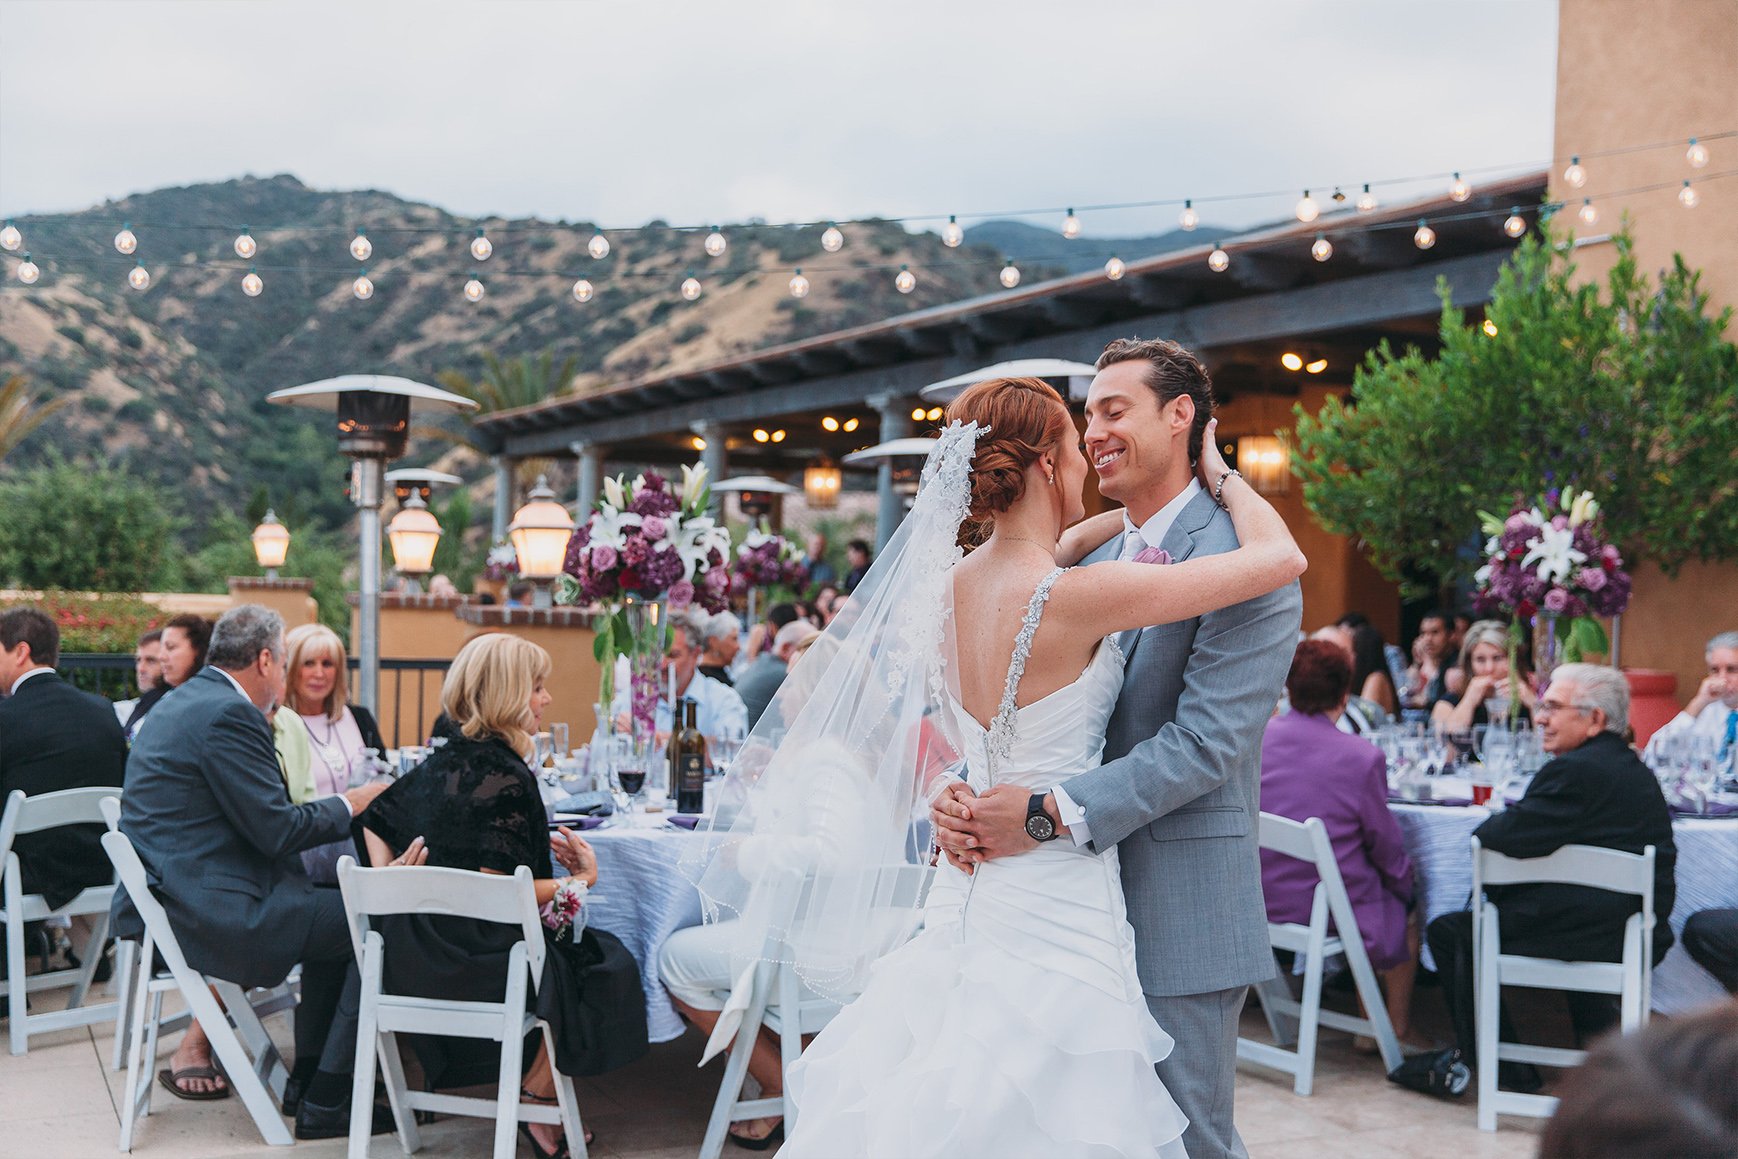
(502, 563)
(768, 560)
(1549, 563)
(646, 545)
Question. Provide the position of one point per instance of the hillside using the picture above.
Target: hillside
(1038, 246)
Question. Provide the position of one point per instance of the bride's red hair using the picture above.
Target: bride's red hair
(1026, 419)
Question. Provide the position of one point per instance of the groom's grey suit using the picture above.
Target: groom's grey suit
(1179, 795)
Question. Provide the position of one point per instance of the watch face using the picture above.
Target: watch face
(1039, 827)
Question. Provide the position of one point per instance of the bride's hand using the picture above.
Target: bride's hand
(1211, 466)
(949, 817)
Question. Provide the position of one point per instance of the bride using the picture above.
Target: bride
(1013, 1023)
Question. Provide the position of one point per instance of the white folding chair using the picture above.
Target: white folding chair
(461, 894)
(1288, 1019)
(776, 990)
(1631, 979)
(255, 1070)
(34, 815)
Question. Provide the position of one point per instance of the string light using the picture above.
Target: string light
(1071, 226)
(1367, 202)
(598, 247)
(1307, 210)
(125, 241)
(139, 277)
(362, 287)
(1688, 197)
(1515, 225)
(1114, 269)
(10, 238)
(474, 290)
(361, 248)
(1459, 191)
(481, 246)
(799, 284)
(1188, 219)
(1423, 237)
(1010, 275)
(251, 284)
(1588, 213)
(1218, 261)
(28, 271)
(691, 288)
(1575, 176)
(1322, 249)
(583, 291)
(831, 239)
(905, 281)
(715, 244)
(951, 234)
(245, 246)
(1696, 154)
(1490, 328)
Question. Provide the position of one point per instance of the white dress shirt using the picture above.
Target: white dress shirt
(720, 712)
(19, 683)
(1710, 722)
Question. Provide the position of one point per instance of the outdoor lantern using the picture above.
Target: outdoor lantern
(539, 533)
(414, 534)
(1264, 462)
(821, 484)
(271, 542)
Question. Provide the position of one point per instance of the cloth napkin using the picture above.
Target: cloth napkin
(594, 801)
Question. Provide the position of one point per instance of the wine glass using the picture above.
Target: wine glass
(558, 739)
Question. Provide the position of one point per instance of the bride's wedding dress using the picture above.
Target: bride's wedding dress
(1013, 1023)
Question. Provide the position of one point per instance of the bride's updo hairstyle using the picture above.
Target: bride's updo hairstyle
(1026, 419)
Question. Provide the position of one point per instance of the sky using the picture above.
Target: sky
(625, 111)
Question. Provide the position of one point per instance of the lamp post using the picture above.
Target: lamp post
(539, 534)
(373, 425)
(414, 534)
(271, 542)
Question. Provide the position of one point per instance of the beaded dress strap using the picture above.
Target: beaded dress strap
(999, 746)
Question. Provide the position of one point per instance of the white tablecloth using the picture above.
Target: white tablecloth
(1707, 877)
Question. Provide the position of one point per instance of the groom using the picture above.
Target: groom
(1178, 793)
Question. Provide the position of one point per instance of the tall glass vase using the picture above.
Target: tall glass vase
(641, 635)
(1547, 648)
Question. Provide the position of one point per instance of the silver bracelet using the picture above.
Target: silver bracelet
(1219, 487)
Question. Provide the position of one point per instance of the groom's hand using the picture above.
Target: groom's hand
(950, 817)
(998, 822)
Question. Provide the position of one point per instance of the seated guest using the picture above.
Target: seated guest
(1357, 716)
(181, 653)
(1393, 659)
(720, 710)
(858, 558)
(1711, 938)
(824, 607)
(1309, 768)
(519, 594)
(147, 674)
(53, 737)
(820, 571)
(443, 586)
(1485, 660)
(319, 733)
(1370, 676)
(723, 640)
(760, 681)
(760, 636)
(1713, 711)
(1426, 679)
(1594, 791)
(206, 810)
(475, 805)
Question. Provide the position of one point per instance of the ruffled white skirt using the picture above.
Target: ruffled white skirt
(1012, 1026)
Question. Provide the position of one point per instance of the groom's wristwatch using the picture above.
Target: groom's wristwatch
(1039, 826)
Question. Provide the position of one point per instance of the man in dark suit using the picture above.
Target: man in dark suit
(1595, 791)
(207, 811)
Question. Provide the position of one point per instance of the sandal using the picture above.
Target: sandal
(171, 1080)
(776, 1135)
(525, 1128)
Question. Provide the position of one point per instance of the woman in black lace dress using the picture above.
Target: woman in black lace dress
(475, 804)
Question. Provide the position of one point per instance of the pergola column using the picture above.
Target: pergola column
(716, 459)
(590, 475)
(503, 498)
(890, 508)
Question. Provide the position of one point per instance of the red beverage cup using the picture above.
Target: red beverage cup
(1481, 794)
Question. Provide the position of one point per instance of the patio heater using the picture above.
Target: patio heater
(373, 416)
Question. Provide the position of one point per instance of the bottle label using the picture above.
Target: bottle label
(690, 786)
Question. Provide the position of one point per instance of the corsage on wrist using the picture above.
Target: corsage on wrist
(564, 914)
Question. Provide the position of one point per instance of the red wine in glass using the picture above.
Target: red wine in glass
(632, 781)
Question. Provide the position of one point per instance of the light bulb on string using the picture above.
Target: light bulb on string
(831, 239)
(799, 284)
(1367, 202)
(361, 249)
(125, 241)
(905, 281)
(1688, 197)
(10, 238)
(598, 247)
(691, 288)
(1696, 154)
(474, 290)
(139, 277)
(245, 245)
(1070, 226)
(481, 246)
(362, 287)
(1459, 190)
(1188, 219)
(951, 233)
(1423, 237)
(1218, 261)
(1010, 275)
(1322, 249)
(1307, 210)
(1588, 213)
(1114, 269)
(1575, 176)
(715, 244)
(251, 284)
(28, 271)
(583, 291)
(1514, 225)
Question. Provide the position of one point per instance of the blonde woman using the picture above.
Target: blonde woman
(475, 804)
(317, 730)
(1484, 657)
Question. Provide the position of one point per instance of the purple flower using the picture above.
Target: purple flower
(681, 595)
(717, 581)
(603, 557)
(654, 528)
(653, 502)
(1556, 600)
(1591, 578)
(635, 552)
(1560, 522)
(1519, 521)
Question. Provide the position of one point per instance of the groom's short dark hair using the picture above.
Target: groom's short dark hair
(1173, 372)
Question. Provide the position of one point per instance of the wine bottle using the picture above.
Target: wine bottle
(688, 764)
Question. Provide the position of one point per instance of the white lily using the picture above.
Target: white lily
(1482, 576)
(608, 527)
(1583, 508)
(693, 478)
(612, 493)
(697, 540)
(1554, 552)
(502, 554)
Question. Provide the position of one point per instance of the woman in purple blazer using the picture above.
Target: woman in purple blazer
(1309, 768)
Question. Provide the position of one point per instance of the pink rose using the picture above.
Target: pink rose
(1556, 600)
(681, 595)
(603, 558)
(1591, 578)
(654, 528)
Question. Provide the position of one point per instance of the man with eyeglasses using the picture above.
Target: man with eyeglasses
(1594, 791)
